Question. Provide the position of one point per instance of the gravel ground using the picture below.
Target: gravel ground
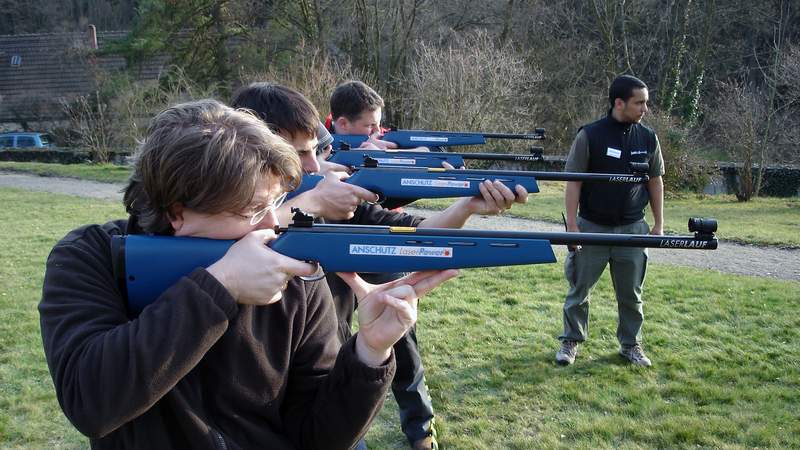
(729, 257)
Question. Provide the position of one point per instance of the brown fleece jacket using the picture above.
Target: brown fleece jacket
(195, 369)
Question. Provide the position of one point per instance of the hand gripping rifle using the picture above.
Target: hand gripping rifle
(418, 138)
(404, 185)
(145, 266)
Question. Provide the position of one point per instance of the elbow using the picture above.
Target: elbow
(86, 415)
(93, 427)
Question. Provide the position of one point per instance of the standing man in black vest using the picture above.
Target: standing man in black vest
(609, 145)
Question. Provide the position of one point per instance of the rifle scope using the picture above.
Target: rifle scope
(702, 225)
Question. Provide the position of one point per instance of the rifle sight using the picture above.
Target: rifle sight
(702, 225)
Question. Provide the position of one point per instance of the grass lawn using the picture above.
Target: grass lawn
(106, 173)
(764, 221)
(726, 368)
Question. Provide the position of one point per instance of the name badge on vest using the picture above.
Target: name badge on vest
(614, 153)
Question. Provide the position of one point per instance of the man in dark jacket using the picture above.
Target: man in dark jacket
(240, 354)
(292, 116)
(609, 145)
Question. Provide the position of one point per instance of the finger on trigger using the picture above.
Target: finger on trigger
(364, 194)
(294, 267)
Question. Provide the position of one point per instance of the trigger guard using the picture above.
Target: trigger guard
(318, 275)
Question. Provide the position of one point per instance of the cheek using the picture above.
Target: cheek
(362, 129)
(309, 162)
(219, 229)
(237, 231)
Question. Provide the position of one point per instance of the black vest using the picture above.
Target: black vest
(612, 146)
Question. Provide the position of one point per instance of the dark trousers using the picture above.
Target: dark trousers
(628, 269)
(408, 386)
(409, 389)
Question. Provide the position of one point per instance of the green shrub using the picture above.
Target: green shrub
(684, 170)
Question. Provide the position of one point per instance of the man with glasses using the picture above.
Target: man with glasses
(240, 354)
(256, 216)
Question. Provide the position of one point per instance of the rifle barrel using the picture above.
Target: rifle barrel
(590, 177)
(547, 176)
(496, 156)
(697, 242)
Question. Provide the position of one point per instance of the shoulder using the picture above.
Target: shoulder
(79, 273)
(84, 251)
(649, 132)
(90, 238)
(591, 126)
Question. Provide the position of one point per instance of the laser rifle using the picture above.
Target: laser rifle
(404, 185)
(405, 158)
(145, 266)
(417, 138)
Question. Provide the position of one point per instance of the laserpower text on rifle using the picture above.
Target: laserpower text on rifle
(145, 266)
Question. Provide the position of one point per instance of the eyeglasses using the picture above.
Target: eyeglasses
(259, 215)
(321, 148)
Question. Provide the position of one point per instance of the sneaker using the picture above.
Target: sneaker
(635, 355)
(567, 353)
(426, 443)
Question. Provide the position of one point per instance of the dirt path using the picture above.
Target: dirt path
(729, 257)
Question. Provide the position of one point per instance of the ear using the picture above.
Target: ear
(175, 216)
(619, 103)
(342, 124)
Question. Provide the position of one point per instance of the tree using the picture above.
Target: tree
(195, 33)
(441, 84)
(738, 123)
(671, 80)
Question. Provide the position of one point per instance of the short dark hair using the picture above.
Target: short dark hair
(351, 98)
(282, 108)
(622, 88)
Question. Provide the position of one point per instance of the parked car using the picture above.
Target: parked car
(25, 140)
